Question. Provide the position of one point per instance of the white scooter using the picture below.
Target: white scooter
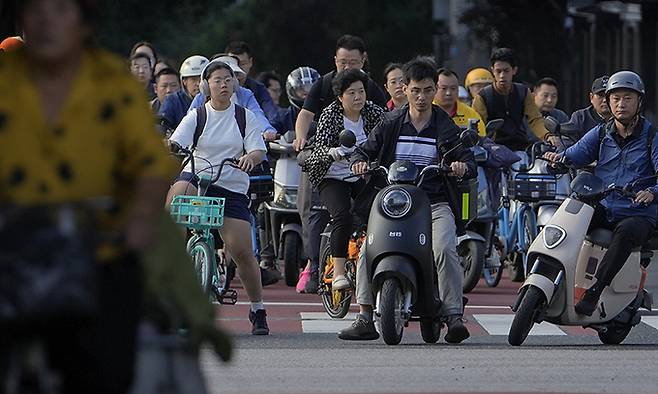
(565, 259)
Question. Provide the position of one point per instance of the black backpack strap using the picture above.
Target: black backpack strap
(201, 117)
(650, 137)
(241, 119)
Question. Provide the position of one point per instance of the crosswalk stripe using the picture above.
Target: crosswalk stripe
(321, 323)
(651, 321)
(500, 325)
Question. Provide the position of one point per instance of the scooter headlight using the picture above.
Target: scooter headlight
(553, 236)
(396, 203)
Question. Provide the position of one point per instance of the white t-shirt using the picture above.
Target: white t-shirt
(341, 169)
(221, 139)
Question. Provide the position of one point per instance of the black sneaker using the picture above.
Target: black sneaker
(267, 277)
(457, 331)
(312, 284)
(258, 320)
(361, 330)
(587, 305)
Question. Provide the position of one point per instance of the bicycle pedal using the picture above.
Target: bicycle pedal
(230, 297)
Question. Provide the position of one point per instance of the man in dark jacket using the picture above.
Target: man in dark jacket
(421, 133)
(586, 119)
(350, 53)
(622, 156)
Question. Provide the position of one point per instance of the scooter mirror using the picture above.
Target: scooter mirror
(347, 138)
(469, 138)
(493, 125)
(289, 136)
(552, 125)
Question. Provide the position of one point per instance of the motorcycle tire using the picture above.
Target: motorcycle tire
(472, 262)
(516, 268)
(292, 247)
(524, 318)
(391, 303)
(614, 335)
(202, 257)
(492, 275)
(430, 330)
(336, 304)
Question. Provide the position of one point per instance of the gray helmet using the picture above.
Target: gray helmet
(626, 80)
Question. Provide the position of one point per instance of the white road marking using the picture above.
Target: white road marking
(321, 323)
(504, 307)
(500, 325)
(651, 321)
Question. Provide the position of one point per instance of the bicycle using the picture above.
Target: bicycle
(204, 216)
(516, 234)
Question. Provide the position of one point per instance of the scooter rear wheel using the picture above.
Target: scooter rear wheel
(525, 316)
(292, 246)
(471, 257)
(430, 330)
(390, 310)
(614, 335)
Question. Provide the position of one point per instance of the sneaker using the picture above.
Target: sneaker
(340, 282)
(258, 320)
(361, 330)
(457, 331)
(587, 305)
(304, 277)
(312, 284)
(268, 277)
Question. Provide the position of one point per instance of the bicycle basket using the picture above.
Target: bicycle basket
(261, 188)
(532, 187)
(198, 213)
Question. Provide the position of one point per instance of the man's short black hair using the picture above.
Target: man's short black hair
(238, 48)
(446, 72)
(390, 67)
(166, 71)
(141, 55)
(350, 43)
(347, 77)
(420, 68)
(266, 76)
(503, 55)
(545, 81)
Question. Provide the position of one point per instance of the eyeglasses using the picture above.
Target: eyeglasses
(225, 81)
(351, 62)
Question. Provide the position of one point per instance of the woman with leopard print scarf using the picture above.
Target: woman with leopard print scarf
(328, 165)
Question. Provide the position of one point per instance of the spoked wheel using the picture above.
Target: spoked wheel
(493, 274)
(202, 258)
(336, 302)
(614, 335)
(516, 265)
(471, 257)
(525, 316)
(390, 310)
(430, 330)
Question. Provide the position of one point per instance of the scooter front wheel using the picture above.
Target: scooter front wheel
(525, 316)
(614, 335)
(390, 309)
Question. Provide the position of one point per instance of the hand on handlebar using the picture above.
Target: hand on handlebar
(270, 135)
(458, 169)
(360, 167)
(554, 140)
(247, 163)
(644, 197)
(553, 157)
(299, 143)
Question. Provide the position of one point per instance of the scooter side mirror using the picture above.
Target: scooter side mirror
(469, 138)
(289, 136)
(552, 125)
(494, 125)
(347, 138)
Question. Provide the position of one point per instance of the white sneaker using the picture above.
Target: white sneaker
(340, 282)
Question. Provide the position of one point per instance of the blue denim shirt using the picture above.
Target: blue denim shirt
(175, 107)
(620, 166)
(245, 98)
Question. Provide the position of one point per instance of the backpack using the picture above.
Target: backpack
(650, 137)
(261, 182)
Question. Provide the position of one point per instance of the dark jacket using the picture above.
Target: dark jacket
(581, 122)
(175, 107)
(329, 127)
(263, 97)
(383, 139)
(558, 114)
(620, 166)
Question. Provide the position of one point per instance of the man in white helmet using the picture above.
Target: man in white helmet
(175, 105)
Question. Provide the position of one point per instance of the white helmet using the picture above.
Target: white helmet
(193, 66)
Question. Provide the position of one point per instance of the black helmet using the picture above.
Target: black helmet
(299, 83)
(625, 80)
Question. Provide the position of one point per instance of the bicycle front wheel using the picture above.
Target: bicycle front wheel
(202, 256)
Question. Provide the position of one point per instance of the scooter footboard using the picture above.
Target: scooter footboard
(400, 267)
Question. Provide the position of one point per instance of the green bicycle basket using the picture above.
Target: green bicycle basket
(198, 213)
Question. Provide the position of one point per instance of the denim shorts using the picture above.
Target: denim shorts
(236, 205)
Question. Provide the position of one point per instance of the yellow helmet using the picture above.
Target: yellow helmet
(478, 75)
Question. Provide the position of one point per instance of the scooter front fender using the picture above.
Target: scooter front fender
(470, 235)
(397, 266)
(542, 283)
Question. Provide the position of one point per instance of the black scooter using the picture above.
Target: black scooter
(399, 256)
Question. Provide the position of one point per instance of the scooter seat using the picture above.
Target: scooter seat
(600, 237)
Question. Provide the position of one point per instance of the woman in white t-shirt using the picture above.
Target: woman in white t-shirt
(221, 138)
(328, 165)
